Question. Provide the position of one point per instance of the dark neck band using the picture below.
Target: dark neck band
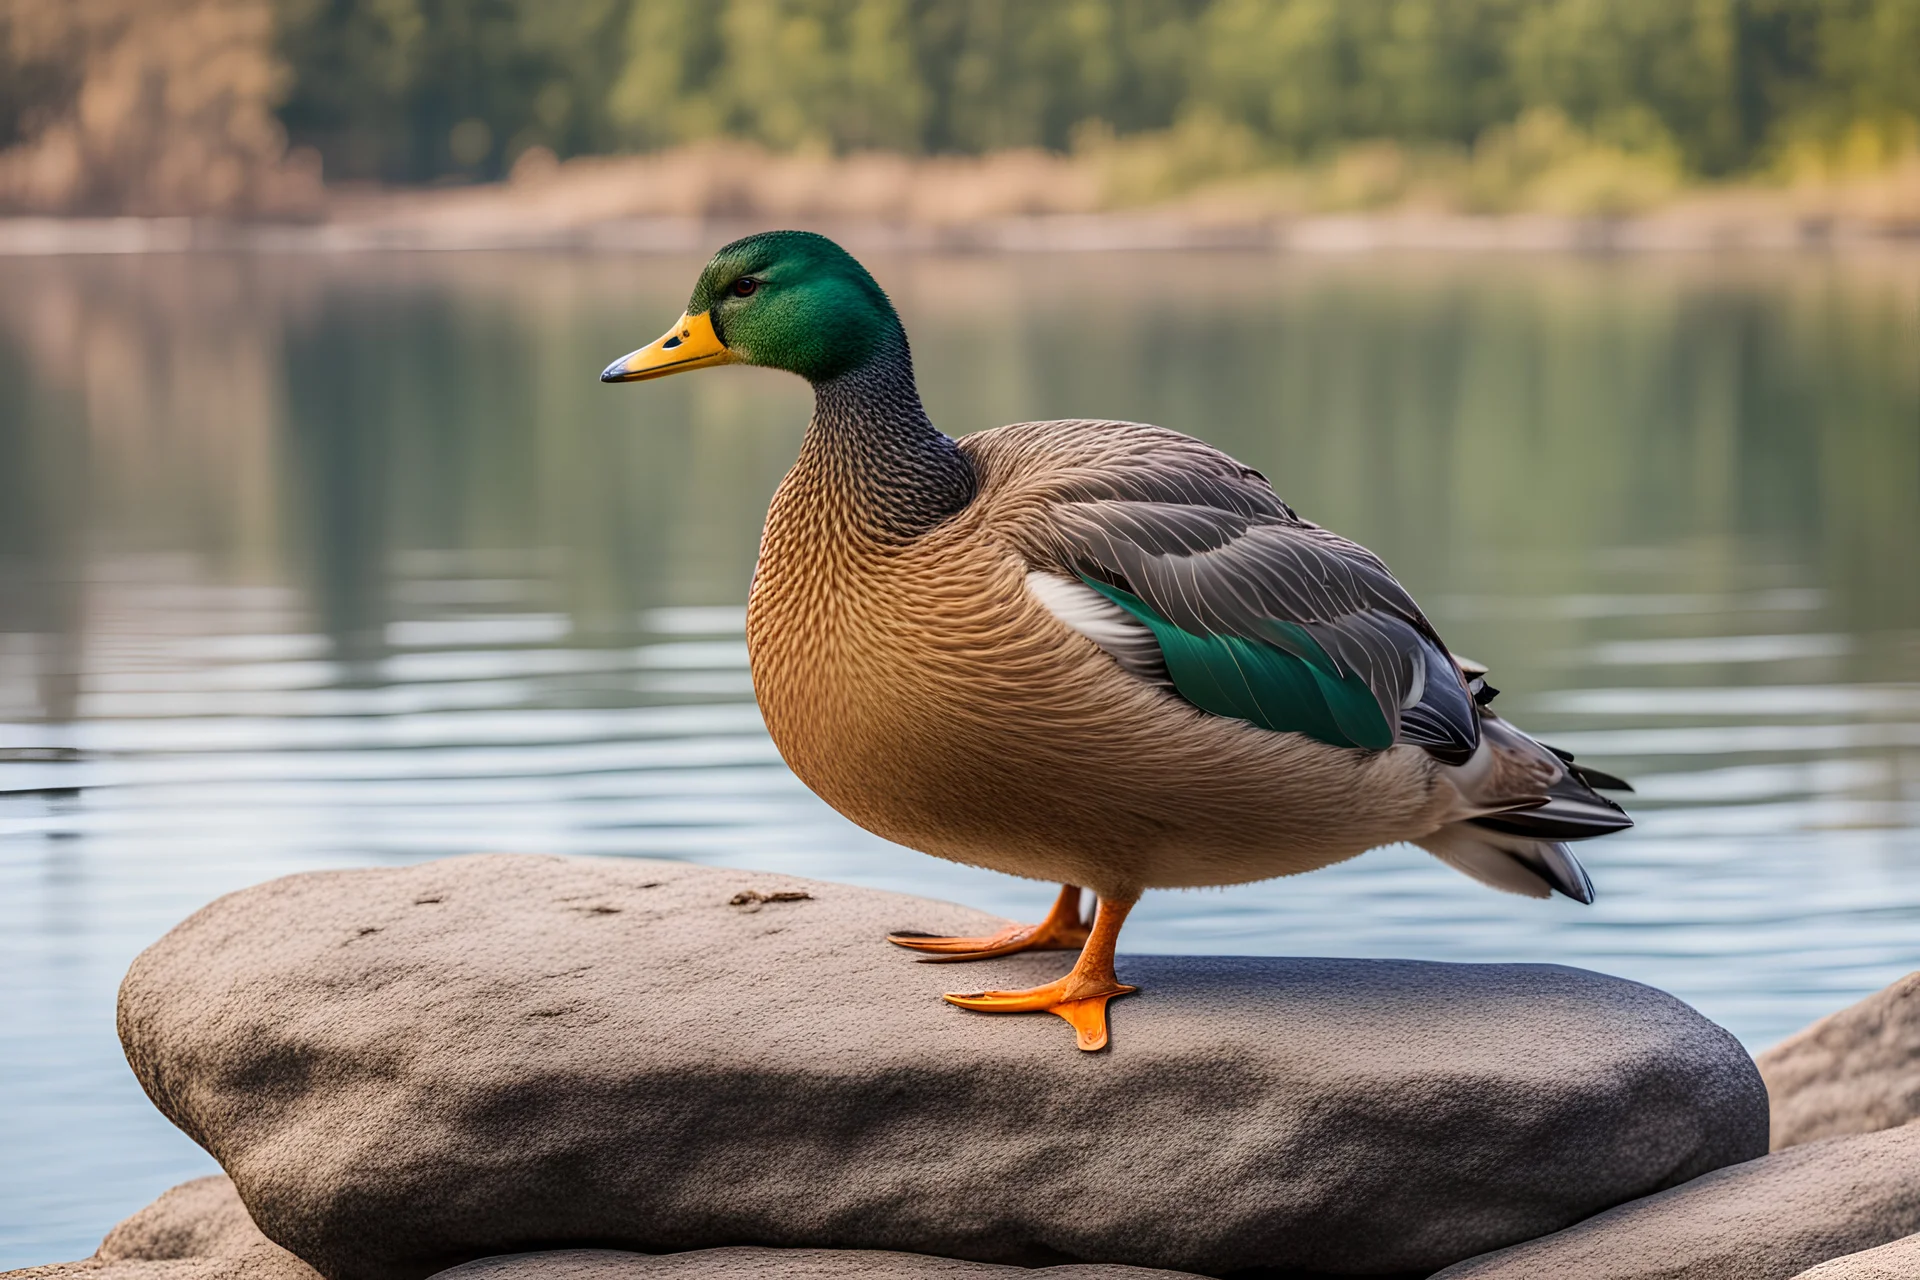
(868, 426)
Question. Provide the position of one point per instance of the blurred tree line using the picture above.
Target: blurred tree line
(411, 90)
(184, 106)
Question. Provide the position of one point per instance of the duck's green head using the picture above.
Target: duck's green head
(788, 300)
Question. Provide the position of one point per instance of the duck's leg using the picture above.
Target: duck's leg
(1080, 997)
(1062, 930)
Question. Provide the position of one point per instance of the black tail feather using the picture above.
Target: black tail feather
(1599, 780)
(1587, 773)
(1573, 811)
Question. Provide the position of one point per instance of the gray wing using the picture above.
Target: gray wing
(1206, 543)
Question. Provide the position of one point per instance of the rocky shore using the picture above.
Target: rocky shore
(503, 1067)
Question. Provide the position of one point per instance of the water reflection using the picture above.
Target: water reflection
(311, 561)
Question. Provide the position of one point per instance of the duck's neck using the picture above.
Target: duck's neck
(871, 445)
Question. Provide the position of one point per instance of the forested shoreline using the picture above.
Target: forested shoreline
(1723, 86)
(107, 105)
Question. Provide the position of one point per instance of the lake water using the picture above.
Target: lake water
(323, 561)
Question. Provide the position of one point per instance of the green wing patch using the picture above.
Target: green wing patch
(1288, 683)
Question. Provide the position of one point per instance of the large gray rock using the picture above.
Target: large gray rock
(1897, 1261)
(1768, 1219)
(405, 1068)
(775, 1264)
(1856, 1071)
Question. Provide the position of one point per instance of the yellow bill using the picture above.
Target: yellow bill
(690, 344)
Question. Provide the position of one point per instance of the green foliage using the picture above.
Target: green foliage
(384, 87)
(1716, 86)
(1309, 73)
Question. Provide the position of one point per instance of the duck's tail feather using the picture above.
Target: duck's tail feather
(1573, 811)
(1483, 695)
(1509, 862)
(1598, 779)
(1516, 784)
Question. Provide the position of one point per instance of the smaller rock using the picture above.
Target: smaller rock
(774, 1264)
(1767, 1219)
(197, 1231)
(199, 1219)
(1897, 1261)
(1856, 1071)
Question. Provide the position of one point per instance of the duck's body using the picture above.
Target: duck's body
(925, 689)
(1100, 653)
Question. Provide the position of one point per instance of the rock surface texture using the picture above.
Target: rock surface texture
(1856, 1071)
(1897, 1261)
(403, 1069)
(197, 1231)
(1768, 1219)
(776, 1264)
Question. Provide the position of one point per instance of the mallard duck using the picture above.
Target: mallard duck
(1104, 654)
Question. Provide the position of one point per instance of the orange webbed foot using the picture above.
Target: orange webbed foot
(1080, 1000)
(1080, 997)
(1062, 930)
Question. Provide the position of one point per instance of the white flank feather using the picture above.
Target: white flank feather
(1084, 610)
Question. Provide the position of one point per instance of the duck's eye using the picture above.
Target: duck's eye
(744, 287)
